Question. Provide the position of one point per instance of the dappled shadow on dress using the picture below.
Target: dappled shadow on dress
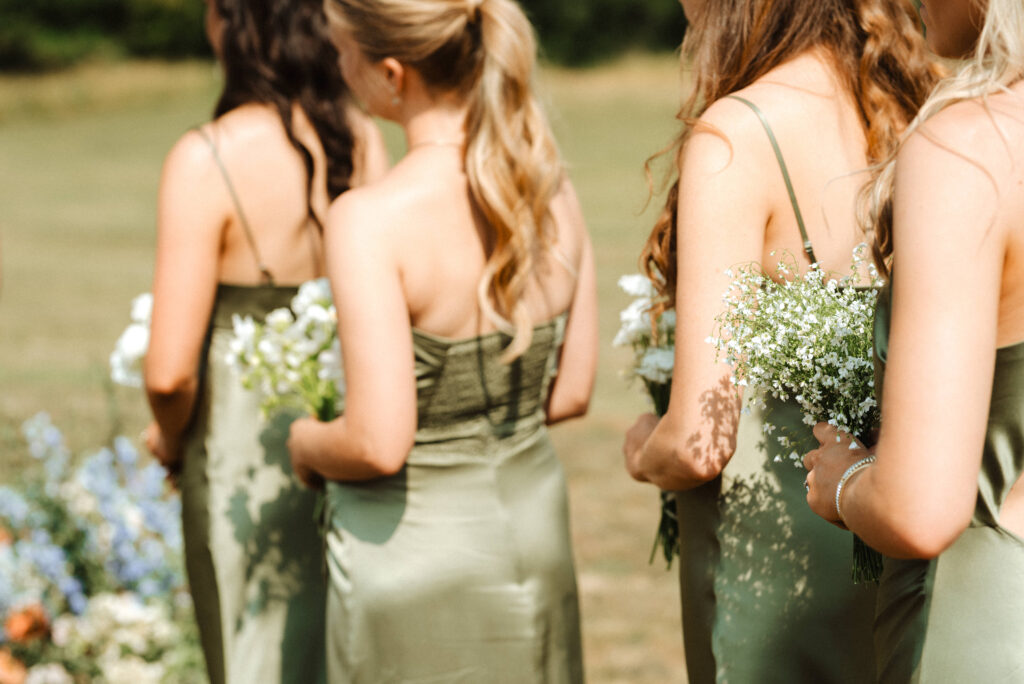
(272, 518)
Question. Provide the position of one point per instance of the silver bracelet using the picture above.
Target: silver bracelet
(856, 467)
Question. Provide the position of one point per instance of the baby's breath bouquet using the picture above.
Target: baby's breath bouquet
(653, 347)
(807, 339)
(294, 355)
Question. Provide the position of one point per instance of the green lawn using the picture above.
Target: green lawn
(80, 157)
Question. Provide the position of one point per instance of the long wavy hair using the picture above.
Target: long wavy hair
(876, 49)
(996, 63)
(485, 51)
(277, 53)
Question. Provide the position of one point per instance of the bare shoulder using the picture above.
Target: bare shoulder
(190, 154)
(969, 138)
(374, 210)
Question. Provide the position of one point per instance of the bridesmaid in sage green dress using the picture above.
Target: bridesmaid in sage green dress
(238, 227)
(773, 165)
(465, 288)
(942, 494)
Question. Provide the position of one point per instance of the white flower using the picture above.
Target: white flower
(637, 285)
(279, 320)
(142, 309)
(129, 353)
(50, 673)
(656, 365)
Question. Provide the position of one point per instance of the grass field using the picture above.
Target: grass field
(80, 156)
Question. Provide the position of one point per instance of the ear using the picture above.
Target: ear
(394, 73)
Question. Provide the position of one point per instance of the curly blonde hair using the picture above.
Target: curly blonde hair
(486, 51)
(996, 63)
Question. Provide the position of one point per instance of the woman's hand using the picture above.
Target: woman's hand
(633, 447)
(300, 439)
(166, 451)
(826, 465)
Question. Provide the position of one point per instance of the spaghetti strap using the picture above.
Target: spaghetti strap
(264, 271)
(785, 175)
(562, 259)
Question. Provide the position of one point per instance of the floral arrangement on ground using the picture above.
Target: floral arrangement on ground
(92, 585)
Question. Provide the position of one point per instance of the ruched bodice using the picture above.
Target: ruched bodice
(957, 618)
(467, 398)
(459, 568)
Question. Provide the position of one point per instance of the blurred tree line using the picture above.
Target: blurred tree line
(50, 34)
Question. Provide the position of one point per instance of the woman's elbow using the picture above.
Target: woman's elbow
(382, 455)
(682, 469)
(926, 535)
(162, 386)
(565, 408)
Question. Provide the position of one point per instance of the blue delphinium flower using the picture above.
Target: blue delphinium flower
(14, 509)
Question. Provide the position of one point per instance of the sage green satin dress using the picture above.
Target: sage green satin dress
(765, 583)
(459, 568)
(960, 617)
(252, 552)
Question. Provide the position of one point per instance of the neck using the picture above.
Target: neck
(436, 126)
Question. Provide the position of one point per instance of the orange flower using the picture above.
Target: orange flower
(27, 624)
(12, 671)
(5, 536)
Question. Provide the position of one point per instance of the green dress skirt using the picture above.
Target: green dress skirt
(960, 617)
(765, 583)
(459, 568)
(252, 552)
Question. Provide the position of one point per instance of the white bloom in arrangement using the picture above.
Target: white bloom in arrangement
(652, 353)
(293, 356)
(131, 347)
(807, 339)
(142, 309)
(50, 673)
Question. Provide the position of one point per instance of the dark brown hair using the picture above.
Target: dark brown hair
(277, 52)
(877, 50)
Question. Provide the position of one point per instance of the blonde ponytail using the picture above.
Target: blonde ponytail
(486, 51)
(513, 166)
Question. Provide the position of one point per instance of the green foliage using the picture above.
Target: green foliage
(50, 34)
(582, 32)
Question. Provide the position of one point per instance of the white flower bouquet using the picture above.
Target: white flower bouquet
(293, 356)
(806, 339)
(130, 348)
(653, 345)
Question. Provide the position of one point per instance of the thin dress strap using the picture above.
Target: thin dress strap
(785, 175)
(264, 271)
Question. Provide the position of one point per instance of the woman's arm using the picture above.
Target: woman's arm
(374, 436)
(724, 207)
(190, 216)
(569, 396)
(949, 247)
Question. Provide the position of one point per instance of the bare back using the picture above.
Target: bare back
(268, 178)
(823, 145)
(442, 243)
